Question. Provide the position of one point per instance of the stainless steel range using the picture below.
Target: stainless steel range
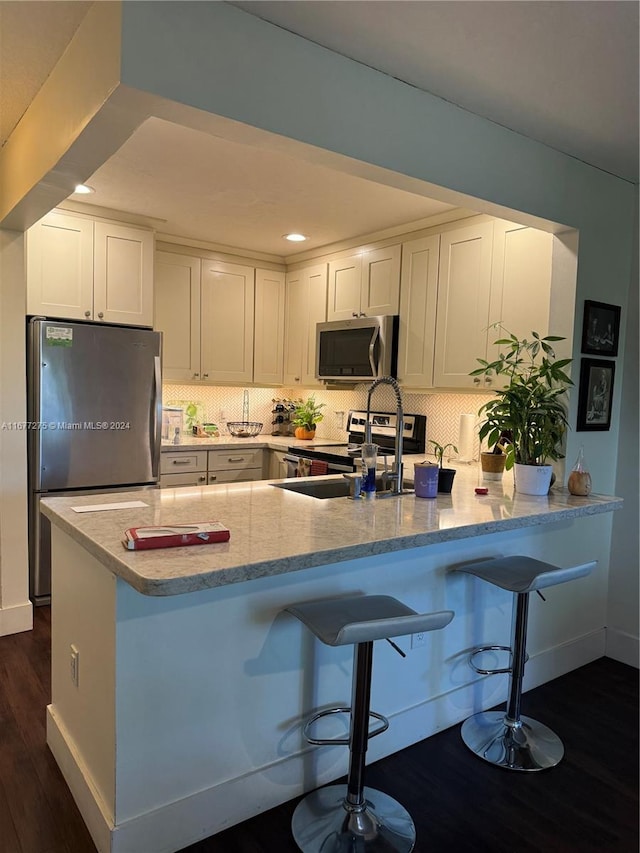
(342, 458)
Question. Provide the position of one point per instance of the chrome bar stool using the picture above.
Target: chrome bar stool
(507, 738)
(349, 818)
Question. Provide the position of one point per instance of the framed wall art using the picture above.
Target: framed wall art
(595, 394)
(600, 328)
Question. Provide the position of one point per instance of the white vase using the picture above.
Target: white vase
(533, 479)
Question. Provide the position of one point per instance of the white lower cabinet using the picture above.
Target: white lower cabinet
(183, 468)
(202, 467)
(231, 466)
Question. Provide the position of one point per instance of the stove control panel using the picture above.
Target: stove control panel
(383, 429)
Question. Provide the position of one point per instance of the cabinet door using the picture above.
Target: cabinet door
(380, 290)
(177, 315)
(520, 281)
(60, 267)
(345, 280)
(418, 295)
(305, 307)
(463, 304)
(268, 338)
(123, 275)
(226, 327)
(172, 481)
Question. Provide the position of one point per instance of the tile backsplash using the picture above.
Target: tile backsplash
(443, 411)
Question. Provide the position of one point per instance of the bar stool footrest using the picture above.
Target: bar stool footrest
(341, 741)
(497, 670)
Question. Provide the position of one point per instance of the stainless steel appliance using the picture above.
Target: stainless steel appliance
(357, 350)
(94, 419)
(342, 458)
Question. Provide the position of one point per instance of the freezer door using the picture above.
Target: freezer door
(96, 402)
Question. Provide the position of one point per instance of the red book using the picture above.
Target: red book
(175, 535)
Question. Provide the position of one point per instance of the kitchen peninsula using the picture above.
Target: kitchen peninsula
(191, 684)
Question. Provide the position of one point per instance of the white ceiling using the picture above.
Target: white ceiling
(564, 73)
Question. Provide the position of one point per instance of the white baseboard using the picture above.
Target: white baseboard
(79, 781)
(15, 619)
(623, 647)
(186, 821)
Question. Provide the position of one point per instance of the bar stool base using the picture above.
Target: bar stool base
(531, 746)
(322, 822)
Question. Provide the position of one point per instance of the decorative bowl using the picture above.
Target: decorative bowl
(244, 429)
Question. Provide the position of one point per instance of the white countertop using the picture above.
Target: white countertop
(274, 531)
(264, 441)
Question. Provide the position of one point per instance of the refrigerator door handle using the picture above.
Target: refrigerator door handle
(157, 417)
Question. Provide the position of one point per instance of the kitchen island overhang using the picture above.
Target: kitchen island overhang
(188, 711)
(274, 531)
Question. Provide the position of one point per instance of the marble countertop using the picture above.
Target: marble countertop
(274, 531)
(264, 440)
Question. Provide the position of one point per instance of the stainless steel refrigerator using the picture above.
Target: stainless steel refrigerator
(94, 420)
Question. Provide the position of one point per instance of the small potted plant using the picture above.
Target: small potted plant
(492, 462)
(445, 475)
(307, 414)
(530, 408)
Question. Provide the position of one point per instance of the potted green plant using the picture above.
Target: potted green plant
(445, 475)
(305, 417)
(530, 407)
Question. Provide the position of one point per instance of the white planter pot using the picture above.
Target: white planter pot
(533, 479)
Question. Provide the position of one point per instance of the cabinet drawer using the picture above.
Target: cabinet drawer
(230, 460)
(240, 475)
(186, 478)
(182, 461)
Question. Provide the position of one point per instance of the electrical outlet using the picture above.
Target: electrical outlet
(418, 640)
(74, 664)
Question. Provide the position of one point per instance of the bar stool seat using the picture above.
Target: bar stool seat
(346, 818)
(507, 738)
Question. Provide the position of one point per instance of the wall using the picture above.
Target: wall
(442, 410)
(623, 614)
(15, 607)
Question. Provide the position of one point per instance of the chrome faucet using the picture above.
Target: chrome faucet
(396, 472)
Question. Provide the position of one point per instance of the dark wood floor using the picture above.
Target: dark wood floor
(458, 802)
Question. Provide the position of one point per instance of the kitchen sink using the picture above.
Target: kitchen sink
(322, 489)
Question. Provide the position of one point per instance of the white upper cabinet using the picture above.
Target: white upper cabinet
(60, 267)
(226, 330)
(305, 307)
(464, 284)
(520, 281)
(177, 315)
(364, 284)
(268, 339)
(123, 275)
(78, 269)
(345, 282)
(496, 272)
(418, 295)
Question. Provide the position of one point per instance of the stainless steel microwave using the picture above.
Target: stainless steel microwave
(357, 350)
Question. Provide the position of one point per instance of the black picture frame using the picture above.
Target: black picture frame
(595, 395)
(600, 328)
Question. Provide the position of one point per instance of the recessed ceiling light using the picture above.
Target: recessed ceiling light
(83, 189)
(296, 238)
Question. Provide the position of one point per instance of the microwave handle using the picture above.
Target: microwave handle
(372, 343)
